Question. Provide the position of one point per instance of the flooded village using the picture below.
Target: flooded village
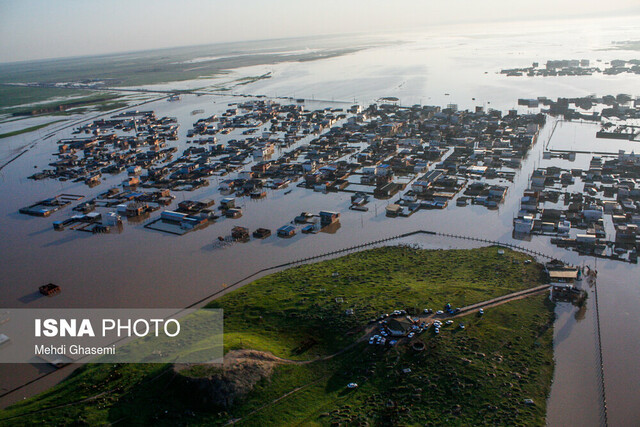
(422, 155)
(200, 187)
(414, 158)
(593, 210)
(575, 67)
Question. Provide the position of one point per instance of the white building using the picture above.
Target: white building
(523, 225)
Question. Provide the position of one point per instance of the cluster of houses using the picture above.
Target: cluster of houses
(94, 222)
(327, 221)
(373, 152)
(482, 149)
(555, 205)
(606, 109)
(306, 222)
(109, 150)
(272, 126)
(575, 67)
(423, 155)
(374, 147)
(48, 206)
(129, 204)
(264, 117)
(189, 215)
(617, 114)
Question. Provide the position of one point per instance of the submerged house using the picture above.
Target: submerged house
(286, 231)
(328, 218)
(228, 203)
(561, 278)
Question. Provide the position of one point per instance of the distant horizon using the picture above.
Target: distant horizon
(159, 49)
(38, 40)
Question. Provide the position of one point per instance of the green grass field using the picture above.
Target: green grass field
(478, 375)
(11, 96)
(278, 312)
(136, 69)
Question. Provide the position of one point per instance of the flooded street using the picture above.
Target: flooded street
(142, 268)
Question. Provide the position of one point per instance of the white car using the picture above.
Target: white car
(439, 312)
(449, 322)
(4, 339)
(411, 335)
(352, 385)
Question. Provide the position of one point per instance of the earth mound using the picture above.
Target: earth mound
(222, 385)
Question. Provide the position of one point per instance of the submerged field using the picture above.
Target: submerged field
(308, 349)
(135, 69)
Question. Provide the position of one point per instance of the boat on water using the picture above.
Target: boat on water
(49, 289)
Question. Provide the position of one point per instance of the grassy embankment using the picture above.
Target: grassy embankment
(12, 96)
(480, 374)
(27, 130)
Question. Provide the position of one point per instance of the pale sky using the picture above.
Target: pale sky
(36, 29)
